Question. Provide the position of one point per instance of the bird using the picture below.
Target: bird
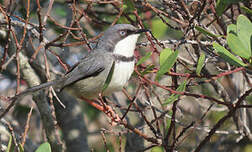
(114, 53)
(104, 70)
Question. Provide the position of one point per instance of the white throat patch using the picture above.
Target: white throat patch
(126, 46)
(122, 70)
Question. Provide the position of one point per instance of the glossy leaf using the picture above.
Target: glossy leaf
(10, 147)
(227, 56)
(144, 58)
(175, 97)
(237, 47)
(231, 28)
(159, 28)
(148, 69)
(164, 55)
(205, 32)
(244, 32)
(247, 10)
(109, 78)
(200, 63)
(45, 147)
(157, 149)
(167, 65)
(21, 149)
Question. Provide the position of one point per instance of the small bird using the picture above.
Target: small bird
(105, 69)
(114, 53)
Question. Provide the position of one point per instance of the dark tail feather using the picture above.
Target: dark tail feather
(29, 91)
(36, 88)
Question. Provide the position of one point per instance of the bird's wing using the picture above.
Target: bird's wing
(89, 66)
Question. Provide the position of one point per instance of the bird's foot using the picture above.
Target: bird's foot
(115, 119)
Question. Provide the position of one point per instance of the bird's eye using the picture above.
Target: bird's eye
(122, 33)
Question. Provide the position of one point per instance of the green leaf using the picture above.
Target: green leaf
(158, 28)
(168, 123)
(21, 149)
(147, 56)
(109, 78)
(148, 69)
(45, 147)
(164, 55)
(10, 147)
(227, 56)
(200, 63)
(175, 97)
(247, 10)
(205, 32)
(237, 47)
(157, 149)
(244, 32)
(167, 65)
(231, 29)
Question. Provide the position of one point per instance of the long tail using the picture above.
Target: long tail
(29, 91)
(36, 88)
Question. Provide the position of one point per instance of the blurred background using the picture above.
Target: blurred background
(190, 90)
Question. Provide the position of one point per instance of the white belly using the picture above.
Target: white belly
(121, 74)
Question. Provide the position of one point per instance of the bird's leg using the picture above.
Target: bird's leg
(109, 111)
(92, 103)
(105, 108)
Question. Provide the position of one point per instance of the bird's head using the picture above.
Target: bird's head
(119, 38)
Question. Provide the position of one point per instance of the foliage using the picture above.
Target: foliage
(239, 41)
(45, 147)
(167, 60)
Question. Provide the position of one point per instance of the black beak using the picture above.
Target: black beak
(141, 31)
